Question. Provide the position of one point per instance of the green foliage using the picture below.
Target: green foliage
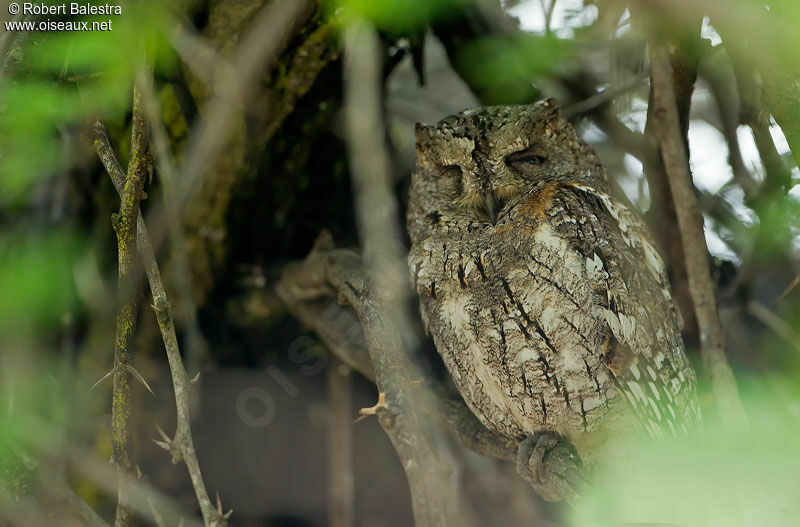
(71, 77)
(30, 139)
(36, 281)
(396, 16)
(33, 413)
(503, 68)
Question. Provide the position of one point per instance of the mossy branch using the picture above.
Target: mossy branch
(125, 226)
(182, 445)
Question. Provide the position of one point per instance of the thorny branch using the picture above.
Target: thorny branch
(181, 446)
(673, 151)
(125, 226)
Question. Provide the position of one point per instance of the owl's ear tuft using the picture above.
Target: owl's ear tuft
(551, 113)
(422, 133)
(424, 137)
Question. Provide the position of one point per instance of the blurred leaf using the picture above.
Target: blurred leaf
(722, 479)
(112, 53)
(90, 74)
(504, 68)
(397, 16)
(33, 411)
(29, 143)
(779, 215)
(36, 280)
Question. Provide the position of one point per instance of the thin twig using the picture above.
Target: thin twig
(792, 285)
(195, 348)
(91, 517)
(547, 11)
(775, 323)
(604, 97)
(668, 132)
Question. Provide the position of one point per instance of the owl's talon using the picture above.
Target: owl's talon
(552, 466)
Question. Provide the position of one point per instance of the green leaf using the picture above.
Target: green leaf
(36, 280)
(397, 16)
(503, 69)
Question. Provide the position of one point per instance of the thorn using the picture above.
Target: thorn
(225, 515)
(160, 304)
(166, 442)
(130, 369)
(104, 377)
(171, 445)
(163, 434)
(163, 445)
(373, 410)
(194, 379)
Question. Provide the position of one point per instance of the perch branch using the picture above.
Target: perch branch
(182, 443)
(125, 226)
(668, 133)
(310, 295)
(428, 479)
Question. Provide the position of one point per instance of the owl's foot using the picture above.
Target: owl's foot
(551, 464)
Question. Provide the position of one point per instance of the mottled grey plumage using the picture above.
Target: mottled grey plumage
(542, 292)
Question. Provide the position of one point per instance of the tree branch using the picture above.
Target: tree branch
(684, 65)
(125, 226)
(379, 301)
(309, 292)
(182, 444)
(668, 132)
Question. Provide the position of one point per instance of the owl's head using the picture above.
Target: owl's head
(480, 161)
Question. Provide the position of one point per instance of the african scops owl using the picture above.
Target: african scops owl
(543, 293)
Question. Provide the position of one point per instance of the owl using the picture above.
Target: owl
(543, 293)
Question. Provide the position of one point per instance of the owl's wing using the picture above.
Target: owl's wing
(643, 350)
